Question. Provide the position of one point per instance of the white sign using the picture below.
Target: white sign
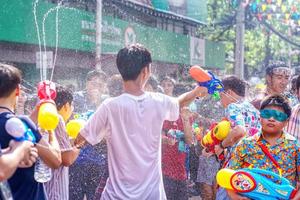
(44, 59)
(197, 51)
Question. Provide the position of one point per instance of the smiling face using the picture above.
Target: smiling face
(272, 123)
(279, 79)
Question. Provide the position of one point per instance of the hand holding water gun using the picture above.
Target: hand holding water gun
(74, 126)
(254, 184)
(215, 136)
(47, 114)
(208, 80)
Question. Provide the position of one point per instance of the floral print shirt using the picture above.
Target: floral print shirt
(286, 152)
(244, 114)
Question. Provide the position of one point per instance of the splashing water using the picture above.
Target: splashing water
(59, 6)
(56, 37)
(38, 36)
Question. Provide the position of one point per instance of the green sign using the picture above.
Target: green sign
(76, 31)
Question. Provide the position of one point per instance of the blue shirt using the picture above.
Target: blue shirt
(89, 154)
(22, 183)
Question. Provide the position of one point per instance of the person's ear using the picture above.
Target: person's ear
(268, 79)
(18, 90)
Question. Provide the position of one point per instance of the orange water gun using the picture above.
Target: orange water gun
(207, 79)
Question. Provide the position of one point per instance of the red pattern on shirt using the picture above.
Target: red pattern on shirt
(173, 161)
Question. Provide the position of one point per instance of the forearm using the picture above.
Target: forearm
(9, 162)
(234, 136)
(49, 151)
(186, 98)
(69, 157)
(188, 132)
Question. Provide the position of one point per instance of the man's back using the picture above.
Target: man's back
(132, 127)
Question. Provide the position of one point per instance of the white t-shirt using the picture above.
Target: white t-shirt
(132, 127)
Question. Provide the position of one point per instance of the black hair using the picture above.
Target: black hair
(273, 65)
(63, 96)
(131, 60)
(115, 85)
(10, 78)
(235, 84)
(278, 101)
(96, 73)
(168, 78)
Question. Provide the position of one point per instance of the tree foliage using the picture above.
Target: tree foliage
(261, 44)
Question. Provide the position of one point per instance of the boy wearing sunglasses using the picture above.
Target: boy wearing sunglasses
(282, 147)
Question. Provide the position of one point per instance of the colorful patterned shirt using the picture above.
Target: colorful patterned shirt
(286, 152)
(244, 114)
(293, 126)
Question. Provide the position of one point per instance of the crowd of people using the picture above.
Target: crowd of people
(140, 140)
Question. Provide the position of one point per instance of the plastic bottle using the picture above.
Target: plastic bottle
(42, 173)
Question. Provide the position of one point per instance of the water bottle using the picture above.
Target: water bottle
(42, 173)
(5, 192)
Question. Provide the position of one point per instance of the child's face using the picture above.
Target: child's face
(273, 119)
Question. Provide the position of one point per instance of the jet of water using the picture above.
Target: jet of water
(38, 36)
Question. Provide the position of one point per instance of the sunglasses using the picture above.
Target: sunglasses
(277, 115)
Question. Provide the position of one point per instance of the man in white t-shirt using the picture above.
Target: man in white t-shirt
(132, 124)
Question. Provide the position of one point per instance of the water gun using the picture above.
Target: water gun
(47, 115)
(19, 130)
(74, 126)
(216, 134)
(254, 184)
(207, 79)
(179, 136)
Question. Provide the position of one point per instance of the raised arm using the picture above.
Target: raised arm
(186, 98)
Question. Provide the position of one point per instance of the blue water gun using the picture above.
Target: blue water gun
(85, 116)
(208, 80)
(256, 183)
(179, 136)
(19, 129)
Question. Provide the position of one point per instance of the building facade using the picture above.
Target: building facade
(66, 30)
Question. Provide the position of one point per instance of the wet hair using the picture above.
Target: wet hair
(273, 65)
(63, 96)
(153, 82)
(235, 84)
(277, 100)
(131, 60)
(168, 78)
(10, 78)
(96, 73)
(115, 85)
